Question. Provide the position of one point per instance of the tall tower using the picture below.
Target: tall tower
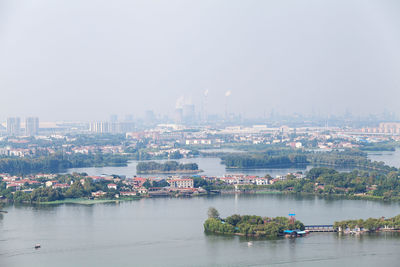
(188, 113)
(113, 118)
(31, 126)
(227, 95)
(204, 111)
(13, 126)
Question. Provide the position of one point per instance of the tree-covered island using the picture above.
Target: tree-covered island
(249, 225)
(58, 162)
(166, 167)
(275, 158)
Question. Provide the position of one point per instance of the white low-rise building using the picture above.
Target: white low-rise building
(181, 183)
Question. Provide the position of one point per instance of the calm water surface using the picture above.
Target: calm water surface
(391, 158)
(169, 232)
(213, 166)
(210, 166)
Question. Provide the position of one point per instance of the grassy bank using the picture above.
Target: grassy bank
(85, 201)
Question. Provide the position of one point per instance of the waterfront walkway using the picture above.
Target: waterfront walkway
(320, 228)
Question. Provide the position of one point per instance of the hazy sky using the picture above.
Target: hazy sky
(86, 59)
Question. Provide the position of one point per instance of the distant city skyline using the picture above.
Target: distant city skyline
(116, 124)
(290, 57)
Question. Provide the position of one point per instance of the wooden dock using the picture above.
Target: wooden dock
(319, 228)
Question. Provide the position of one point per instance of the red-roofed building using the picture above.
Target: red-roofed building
(138, 181)
(112, 186)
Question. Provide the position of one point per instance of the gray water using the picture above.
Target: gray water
(391, 158)
(169, 232)
(210, 167)
(213, 167)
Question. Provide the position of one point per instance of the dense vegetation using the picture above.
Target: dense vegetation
(250, 225)
(257, 160)
(371, 224)
(81, 187)
(329, 181)
(58, 162)
(167, 167)
(381, 146)
(288, 158)
(348, 158)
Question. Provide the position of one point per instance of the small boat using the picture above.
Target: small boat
(249, 244)
(37, 246)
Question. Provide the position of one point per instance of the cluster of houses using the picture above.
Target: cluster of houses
(134, 186)
(25, 184)
(163, 140)
(240, 179)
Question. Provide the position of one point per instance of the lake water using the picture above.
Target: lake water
(391, 158)
(169, 232)
(210, 167)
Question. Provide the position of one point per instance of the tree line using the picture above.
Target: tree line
(331, 182)
(81, 187)
(263, 160)
(58, 162)
(370, 224)
(249, 225)
(168, 166)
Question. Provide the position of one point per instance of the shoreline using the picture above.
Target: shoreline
(86, 201)
(170, 172)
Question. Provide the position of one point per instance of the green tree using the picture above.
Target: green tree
(213, 213)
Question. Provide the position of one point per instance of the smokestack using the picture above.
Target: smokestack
(204, 115)
(227, 95)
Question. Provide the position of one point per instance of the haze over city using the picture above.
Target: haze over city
(84, 60)
(199, 133)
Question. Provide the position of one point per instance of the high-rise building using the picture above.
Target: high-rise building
(31, 126)
(100, 127)
(178, 115)
(111, 127)
(13, 126)
(149, 117)
(114, 118)
(126, 126)
(129, 118)
(188, 113)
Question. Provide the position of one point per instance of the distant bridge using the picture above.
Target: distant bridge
(320, 228)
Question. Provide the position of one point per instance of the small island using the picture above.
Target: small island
(166, 167)
(252, 225)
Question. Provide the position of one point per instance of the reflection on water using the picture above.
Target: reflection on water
(213, 167)
(391, 158)
(210, 167)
